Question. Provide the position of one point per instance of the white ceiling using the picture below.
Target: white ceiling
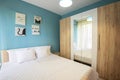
(53, 5)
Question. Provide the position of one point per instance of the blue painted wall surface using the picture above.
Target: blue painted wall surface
(49, 27)
(95, 5)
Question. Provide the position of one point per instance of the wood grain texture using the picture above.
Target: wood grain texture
(4, 56)
(65, 38)
(109, 50)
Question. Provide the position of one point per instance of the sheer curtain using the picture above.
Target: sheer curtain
(84, 35)
(84, 40)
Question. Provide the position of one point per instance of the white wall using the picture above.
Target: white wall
(84, 15)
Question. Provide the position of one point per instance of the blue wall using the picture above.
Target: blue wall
(49, 28)
(95, 5)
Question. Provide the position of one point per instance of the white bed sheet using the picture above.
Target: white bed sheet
(48, 68)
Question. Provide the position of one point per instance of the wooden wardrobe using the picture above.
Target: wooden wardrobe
(65, 37)
(109, 41)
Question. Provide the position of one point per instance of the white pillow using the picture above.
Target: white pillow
(12, 56)
(42, 51)
(23, 56)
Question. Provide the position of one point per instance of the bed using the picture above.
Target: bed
(47, 67)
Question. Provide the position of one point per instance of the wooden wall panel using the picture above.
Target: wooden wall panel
(65, 38)
(109, 51)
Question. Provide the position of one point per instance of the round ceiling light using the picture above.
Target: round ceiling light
(65, 3)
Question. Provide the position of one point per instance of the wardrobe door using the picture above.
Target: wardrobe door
(109, 41)
(116, 63)
(65, 38)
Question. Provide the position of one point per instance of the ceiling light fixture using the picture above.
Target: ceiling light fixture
(65, 3)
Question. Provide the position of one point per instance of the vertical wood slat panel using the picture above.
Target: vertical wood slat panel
(65, 38)
(109, 51)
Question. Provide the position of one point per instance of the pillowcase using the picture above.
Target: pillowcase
(42, 51)
(23, 56)
(12, 55)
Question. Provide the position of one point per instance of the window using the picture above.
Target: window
(84, 35)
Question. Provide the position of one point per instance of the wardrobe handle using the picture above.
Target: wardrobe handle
(99, 42)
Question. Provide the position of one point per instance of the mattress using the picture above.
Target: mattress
(51, 67)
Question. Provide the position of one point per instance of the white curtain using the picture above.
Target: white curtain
(84, 41)
(84, 35)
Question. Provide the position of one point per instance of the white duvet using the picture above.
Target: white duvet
(48, 68)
